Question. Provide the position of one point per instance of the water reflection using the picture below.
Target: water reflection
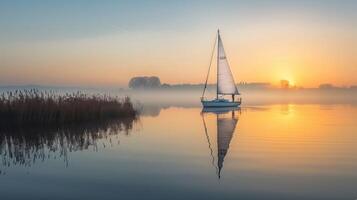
(26, 145)
(226, 122)
(260, 152)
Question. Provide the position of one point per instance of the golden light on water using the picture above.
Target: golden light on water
(284, 138)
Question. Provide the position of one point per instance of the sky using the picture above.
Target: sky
(105, 43)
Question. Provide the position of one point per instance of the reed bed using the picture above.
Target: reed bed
(27, 145)
(34, 107)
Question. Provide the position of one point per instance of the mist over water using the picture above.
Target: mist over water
(281, 144)
(150, 99)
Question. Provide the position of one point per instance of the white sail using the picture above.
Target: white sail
(225, 81)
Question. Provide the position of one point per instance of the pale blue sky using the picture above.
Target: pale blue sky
(37, 19)
(38, 35)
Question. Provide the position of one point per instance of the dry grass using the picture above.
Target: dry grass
(33, 107)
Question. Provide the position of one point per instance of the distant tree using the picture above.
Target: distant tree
(165, 85)
(144, 82)
(284, 84)
(326, 86)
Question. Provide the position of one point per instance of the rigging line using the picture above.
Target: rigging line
(209, 67)
(209, 143)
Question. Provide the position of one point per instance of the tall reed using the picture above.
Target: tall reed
(34, 107)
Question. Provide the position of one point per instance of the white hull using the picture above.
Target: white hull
(219, 103)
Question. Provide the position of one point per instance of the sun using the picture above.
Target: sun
(284, 70)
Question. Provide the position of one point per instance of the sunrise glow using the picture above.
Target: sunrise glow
(265, 42)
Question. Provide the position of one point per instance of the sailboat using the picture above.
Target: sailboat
(225, 81)
(226, 123)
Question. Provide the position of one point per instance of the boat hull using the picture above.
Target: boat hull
(219, 103)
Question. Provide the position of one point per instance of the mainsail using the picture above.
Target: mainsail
(225, 81)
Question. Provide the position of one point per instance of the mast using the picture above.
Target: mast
(225, 82)
(218, 38)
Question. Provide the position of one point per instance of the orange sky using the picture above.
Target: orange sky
(305, 44)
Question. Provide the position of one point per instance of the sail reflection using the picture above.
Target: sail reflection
(26, 145)
(226, 121)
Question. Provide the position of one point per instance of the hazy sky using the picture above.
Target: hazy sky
(104, 43)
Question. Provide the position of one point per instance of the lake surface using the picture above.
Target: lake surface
(265, 151)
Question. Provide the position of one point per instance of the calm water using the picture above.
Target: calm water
(273, 151)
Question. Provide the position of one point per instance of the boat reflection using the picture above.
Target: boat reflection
(226, 122)
(26, 145)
